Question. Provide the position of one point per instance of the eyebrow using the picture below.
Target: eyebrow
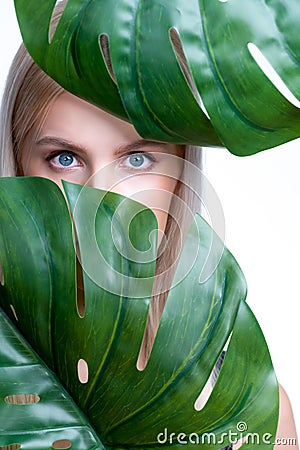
(60, 142)
(71, 146)
(137, 145)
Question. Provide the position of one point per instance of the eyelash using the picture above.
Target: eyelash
(122, 160)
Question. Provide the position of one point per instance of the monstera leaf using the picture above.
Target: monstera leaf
(36, 411)
(125, 406)
(204, 72)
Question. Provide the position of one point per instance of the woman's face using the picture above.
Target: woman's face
(83, 144)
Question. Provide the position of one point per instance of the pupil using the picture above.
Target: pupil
(65, 159)
(136, 160)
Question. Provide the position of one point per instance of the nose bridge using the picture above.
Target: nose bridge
(103, 177)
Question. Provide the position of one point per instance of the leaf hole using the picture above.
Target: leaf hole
(1, 275)
(208, 388)
(272, 75)
(22, 399)
(62, 444)
(14, 312)
(104, 46)
(80, 289)
(10, 447)
(55, 18)
(158, 302)
(154, 317)
(184, 66)
(83, 371)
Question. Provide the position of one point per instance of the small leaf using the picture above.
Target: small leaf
(29, 423)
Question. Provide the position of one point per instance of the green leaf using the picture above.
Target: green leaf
(52, 417)
(248, 111)
(127, 407)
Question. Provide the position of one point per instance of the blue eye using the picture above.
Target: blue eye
(63, 160)
(136, 159)
(66, 159)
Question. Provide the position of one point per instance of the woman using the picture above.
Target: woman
(50, 133)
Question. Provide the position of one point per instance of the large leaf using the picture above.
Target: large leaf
(128, 407)
(248, 108)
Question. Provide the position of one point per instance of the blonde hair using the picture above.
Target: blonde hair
(28, 97)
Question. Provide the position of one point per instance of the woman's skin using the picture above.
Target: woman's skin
(83, 144)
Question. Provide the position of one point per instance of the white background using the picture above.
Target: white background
(260, 198)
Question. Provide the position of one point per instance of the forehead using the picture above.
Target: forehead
(70, 114)
(76, 120)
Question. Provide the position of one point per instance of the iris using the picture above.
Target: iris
(66, 159)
